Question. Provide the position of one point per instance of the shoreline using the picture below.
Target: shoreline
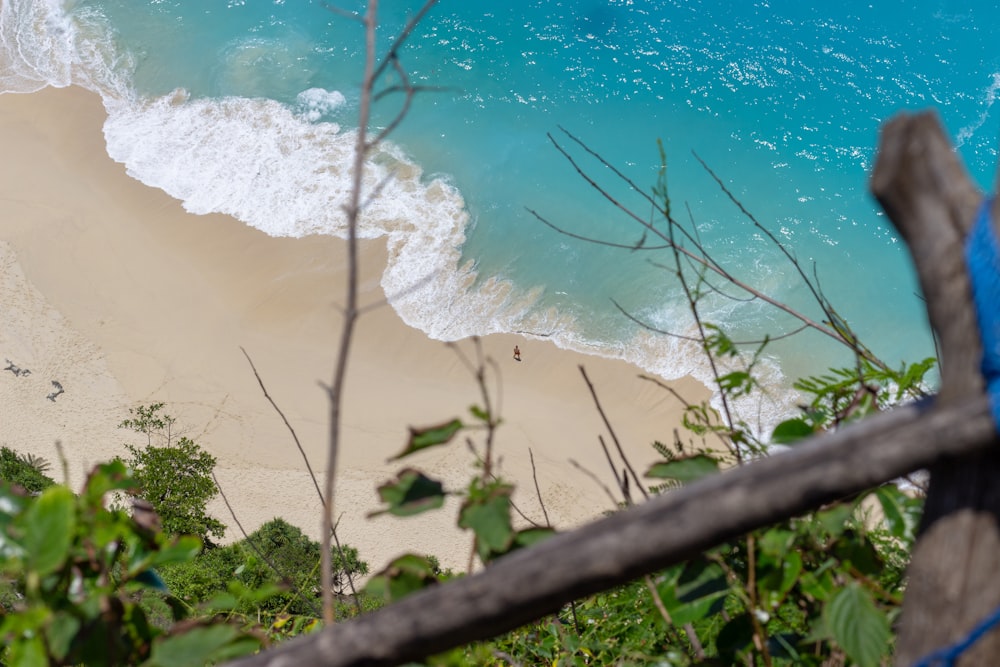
(112, 289)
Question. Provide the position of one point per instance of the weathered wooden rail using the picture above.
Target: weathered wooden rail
(953, 580)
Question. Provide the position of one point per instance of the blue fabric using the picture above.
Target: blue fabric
(982, 257)
(947, 656)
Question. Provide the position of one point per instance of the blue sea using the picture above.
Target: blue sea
(249, 107)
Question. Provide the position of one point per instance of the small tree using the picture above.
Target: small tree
(176, 479)
(279, 544)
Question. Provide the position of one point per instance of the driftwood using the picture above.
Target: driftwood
(952, 582)
(924, 190)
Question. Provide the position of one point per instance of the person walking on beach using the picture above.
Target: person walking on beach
(517, 353)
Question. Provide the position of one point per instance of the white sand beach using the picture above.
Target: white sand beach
(111, 289)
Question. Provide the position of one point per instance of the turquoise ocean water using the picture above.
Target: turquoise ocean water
(247, 107)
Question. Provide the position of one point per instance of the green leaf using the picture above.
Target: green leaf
(150, 579)
(791, 431)
(429, 437)
(181, 549)
(489, 518)
(48, 526)
(179, 609)
(776, 584)
(776, 542)
(26, 652)
(719, 342)
(701, 578)
(11, 506)
(684, 469)
(735, 637)
(199, 646)
(479, 413)
(531, 536)
(60, 633)
(111, 476)
(253, 596)
(411, 493)
(405, 575)
(220, 602)
(699, 591)
(819, 584)
(243, 645)
(736, 383)
(859, 551)
(890, 498)
(858, 626)
(836, 519)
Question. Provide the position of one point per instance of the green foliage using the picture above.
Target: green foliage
(411, 493)
(617, 627)
(846, 394)
(176, 478)
(684, 468)
(277, 558)
(791, 431)
(297, 558)
(858, 625)
(80, 569)
(486, 511)
(27, 471)
(403, 576)
(815, 590)
(430, 436)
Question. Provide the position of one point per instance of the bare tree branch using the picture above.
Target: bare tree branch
(538, 490)
(596, 479)
(350, 315)
(611, 430)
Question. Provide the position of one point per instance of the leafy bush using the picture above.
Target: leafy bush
(296, 572)
(77, 570)
(24, 470)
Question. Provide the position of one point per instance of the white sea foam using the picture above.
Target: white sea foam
(261, 163)
(36, 45)
(989, 97)
(315, 103)
(271, 167)
(279, 169)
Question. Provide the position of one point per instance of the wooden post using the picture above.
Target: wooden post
(953, 580)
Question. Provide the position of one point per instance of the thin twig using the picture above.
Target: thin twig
(649, 327)
(548, 524)
(288, 425)
(538, 491)
(817, 295)
(312, 475)
(611, 430)
(620, 482)
(596, 479)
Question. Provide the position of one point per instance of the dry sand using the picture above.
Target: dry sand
(110, 288)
